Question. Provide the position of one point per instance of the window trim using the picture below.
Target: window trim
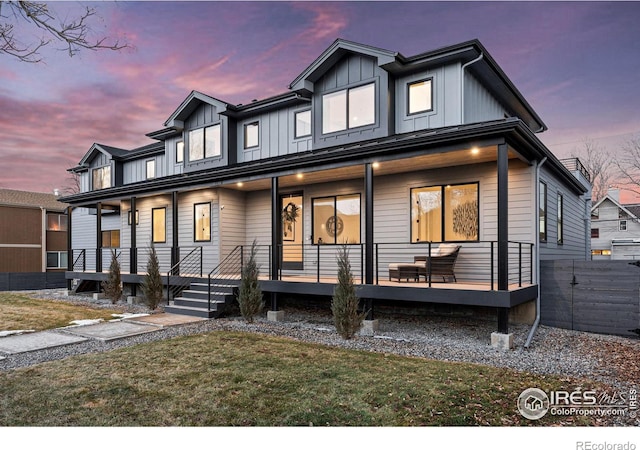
(59, 254)
(560, 219)
(411, 83)
(153, 218)
(347, 90)
(246, 126)
(626, 225)
(335, 209)
(195, 205)
(295, 124)
(443, 217)
(543, 234)
(205, 156)
(179, 153)
(93, 177)
(153, 165)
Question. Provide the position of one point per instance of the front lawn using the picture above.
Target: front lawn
(233, 378)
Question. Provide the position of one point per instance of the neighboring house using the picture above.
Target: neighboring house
(33, 236)
(389, 154)
(615, 228)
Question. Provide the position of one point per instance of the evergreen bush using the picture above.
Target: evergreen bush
(152, 285)
(250, 294)
(344, 304)
(112, 286)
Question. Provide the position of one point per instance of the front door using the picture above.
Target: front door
(292, 235)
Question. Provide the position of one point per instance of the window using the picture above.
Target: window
(542, 213)
(159, 225)
(251, 135)
(101, 178)
(205, 142)
(129, 218)
(151, 169)
(56, 260)
(595, 233)
(560, 219)
(420, 95)
(56, 222)
(202, 222)
(303, 123)
(336, 219)
(601, 252)
(179, 152)
(348, 108)
(111, 239)
(445, 213)
(623, 225)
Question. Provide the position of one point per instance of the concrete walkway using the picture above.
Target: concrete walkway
(103, 331)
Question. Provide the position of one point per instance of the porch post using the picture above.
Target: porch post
(276, 231)
(99, 237)
(503, 233)
(133, 255)
(368, 235)
(69, 247)
(175, 250)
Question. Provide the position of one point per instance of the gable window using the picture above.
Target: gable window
(348, 108)
(111, 239)
(560, 219)
(336, 219)
(56, 222)
(179, 152)
(57, 260)
(623, 225)
(542, 213)
(202, 222)
(445, 213)
(151, 169)
(158, 225)
(303, 124)
(419, 96)
(101, 177)
(251, 135)
(205, 142)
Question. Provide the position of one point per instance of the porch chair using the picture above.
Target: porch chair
(442, 262)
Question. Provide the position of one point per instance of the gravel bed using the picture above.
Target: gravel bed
(552, 351)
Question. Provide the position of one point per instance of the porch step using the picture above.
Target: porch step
(195, 300)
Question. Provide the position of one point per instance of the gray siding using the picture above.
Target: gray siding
(186, 234)
(206, 115)
(258, 225)
(232, 220)
(479, 104)
(135, 171)
(171, 167)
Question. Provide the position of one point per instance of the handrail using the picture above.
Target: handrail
(187, 263)
(229, 262)
(83, 255)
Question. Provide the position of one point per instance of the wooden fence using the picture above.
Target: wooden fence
(594, 296)
(22, 281)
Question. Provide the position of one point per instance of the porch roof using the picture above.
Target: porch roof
(435, 141)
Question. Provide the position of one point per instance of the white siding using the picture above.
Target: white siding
(232, 220)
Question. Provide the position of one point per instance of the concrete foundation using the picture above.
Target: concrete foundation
(370, 327)
(524, 313)
(502, 341)
(99, 296)
(275, 316)
(134, 300)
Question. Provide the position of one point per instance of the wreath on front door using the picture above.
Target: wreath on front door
(290, 214)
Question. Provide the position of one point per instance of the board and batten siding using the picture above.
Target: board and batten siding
(135, 171)
(445, 100)
(276, 135)
(479, 104)
(204, 116)
(575, 222)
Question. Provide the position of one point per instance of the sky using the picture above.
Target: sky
(576, 63)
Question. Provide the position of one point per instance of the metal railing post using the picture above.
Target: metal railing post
(519, 264)
(492, 270)
(318, 268)
(376, 266)
(429, 263)
(531, 263)
(201, 260)
(361, 263)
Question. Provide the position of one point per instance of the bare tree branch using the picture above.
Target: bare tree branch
(628, 164)
(73, 33)
(599, 163)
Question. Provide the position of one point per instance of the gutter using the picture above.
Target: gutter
(464, 66)
(536, 322)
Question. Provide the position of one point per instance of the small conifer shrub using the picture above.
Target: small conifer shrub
(152, 284)
(250, 294)
(344, 304)
(112, 286)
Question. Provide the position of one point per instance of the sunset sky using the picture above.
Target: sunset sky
(577, 63)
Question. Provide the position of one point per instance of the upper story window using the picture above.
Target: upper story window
(303, 124)
(420, 96)
(56, 222)
(595, 233)
(623, 225)
(349, 108)
(252, 135)
(542, 213)
(101, 177)
(179, 152)
(205, 142)
(151, 169)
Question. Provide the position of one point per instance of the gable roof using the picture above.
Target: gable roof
(189, 105)
(633, 211)
(10, 197)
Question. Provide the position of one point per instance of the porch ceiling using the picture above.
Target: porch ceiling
(389, 166)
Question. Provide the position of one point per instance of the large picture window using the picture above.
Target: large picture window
(348, 108)
(202, 222)
(101, 178)
(205, 142)
(445, 213)
(336, 219)
(159, 225)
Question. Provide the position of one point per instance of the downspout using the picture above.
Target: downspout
(464, 66)
(536, 322)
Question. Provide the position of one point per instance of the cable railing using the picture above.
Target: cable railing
(184, 272)
(229, 269)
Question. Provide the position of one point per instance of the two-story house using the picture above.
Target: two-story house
(615, 228)
(387, 154)
(33, 240)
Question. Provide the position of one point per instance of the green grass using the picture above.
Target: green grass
(232, 378)
(22, 312)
